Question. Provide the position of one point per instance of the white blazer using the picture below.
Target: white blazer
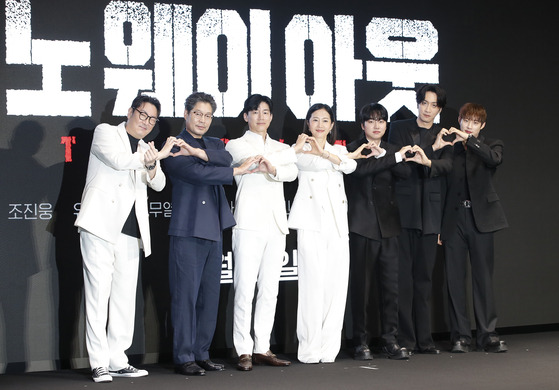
(260, 202)
(116, 178)
(320, 190)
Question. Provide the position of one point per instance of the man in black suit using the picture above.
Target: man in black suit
(419, 199)
(198, 169)
(374, 224)
(472, 213)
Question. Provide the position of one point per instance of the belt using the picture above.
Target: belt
(467, 204)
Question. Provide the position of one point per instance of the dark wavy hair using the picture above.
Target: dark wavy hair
(441, 94)
(198, 97)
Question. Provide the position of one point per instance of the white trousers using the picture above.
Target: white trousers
(323, 280)
(258, 258)
(110, 274)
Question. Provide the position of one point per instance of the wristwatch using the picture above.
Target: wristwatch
(150, 167)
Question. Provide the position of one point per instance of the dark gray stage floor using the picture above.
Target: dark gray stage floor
(531, 363)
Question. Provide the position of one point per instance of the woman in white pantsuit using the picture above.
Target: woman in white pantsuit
(319, 214)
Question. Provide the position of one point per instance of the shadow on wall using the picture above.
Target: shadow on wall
(67, 246)
(23, 181)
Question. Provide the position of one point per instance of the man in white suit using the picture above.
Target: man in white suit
(259, 236)
(114, 224)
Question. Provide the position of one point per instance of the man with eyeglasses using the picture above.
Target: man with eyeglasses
(114, 224)
(201, 212)
(419, 200)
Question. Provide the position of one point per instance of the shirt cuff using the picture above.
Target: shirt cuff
(382, 154)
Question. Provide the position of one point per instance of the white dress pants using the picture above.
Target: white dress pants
(110, 277)
(323, 280)
(258, 258)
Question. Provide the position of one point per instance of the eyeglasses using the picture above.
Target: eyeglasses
(200, 115)
(144, 116)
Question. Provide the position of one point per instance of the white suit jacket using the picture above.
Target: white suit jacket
(320, 190)
(260, 202)
(116, 178)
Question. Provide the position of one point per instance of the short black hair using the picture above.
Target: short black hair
(373, 111)
(198, 97)
(333, 135)
(253, 101)
(142, 98)
(441, 94)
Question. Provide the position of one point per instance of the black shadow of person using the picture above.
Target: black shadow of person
(23, 181)
(67, 242)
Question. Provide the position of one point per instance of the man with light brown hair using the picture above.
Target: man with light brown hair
(472, 213)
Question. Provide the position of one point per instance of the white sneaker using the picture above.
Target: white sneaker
(101, 375)
(128, 372)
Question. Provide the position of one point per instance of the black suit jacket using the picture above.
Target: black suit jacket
(372, 206)
(477, 164)
(420, 196)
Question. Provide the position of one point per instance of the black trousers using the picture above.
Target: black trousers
(467, 240)
(369, 259)
(416, 262)
(194, 283)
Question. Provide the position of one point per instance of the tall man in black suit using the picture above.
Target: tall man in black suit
(472, 213)
(374, 224)
(419, 199)
(199, 167)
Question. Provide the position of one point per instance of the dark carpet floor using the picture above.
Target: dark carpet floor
(532, 362)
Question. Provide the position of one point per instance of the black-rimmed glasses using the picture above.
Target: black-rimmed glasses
(144, 116)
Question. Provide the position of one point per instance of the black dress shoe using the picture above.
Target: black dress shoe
(208, 365)
(362, 352)
(429, 351)
(495, 346)
(190, 368)
(394, 351)
(460, 346)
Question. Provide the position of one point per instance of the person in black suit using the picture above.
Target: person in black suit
(199, 167)
(472, 213)
(419, 198)
(374, 225)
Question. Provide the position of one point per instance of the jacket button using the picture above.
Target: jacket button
(203, 202)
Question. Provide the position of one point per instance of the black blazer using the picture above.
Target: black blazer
(478, 163)
(372, 206)
(420, 196)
